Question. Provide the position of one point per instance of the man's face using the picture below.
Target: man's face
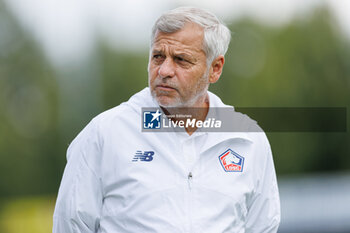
(177, 70)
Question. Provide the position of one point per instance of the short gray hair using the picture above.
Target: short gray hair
(216, 34)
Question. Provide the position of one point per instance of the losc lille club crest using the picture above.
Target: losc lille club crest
(231, 161)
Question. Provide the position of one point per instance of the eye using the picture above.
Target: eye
(180, 59)
(158, 58)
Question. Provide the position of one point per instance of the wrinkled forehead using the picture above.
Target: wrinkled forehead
(189, 37)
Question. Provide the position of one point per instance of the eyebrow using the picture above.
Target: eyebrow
(156, 51)
(181, 54)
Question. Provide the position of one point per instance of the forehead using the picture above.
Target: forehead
(190, 37)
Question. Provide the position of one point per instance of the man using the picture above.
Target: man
(121, 179)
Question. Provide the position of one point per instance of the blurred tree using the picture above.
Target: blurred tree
(123, 74)
(29, 143)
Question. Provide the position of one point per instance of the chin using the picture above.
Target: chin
(167, 102)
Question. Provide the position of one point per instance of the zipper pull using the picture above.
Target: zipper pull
(190, 176)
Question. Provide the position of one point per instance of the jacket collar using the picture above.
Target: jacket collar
(214, 139)
(144, 99)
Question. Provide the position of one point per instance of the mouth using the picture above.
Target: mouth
(165, 88)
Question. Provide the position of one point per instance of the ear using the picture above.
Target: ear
(216, 69)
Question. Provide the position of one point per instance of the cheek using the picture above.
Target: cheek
(152, 73)
(193, 78)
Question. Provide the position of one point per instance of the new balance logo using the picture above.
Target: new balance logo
(146, 156)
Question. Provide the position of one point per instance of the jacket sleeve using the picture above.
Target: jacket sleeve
(264, 208)
(79, 201)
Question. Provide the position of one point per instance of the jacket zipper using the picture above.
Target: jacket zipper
(190, 199)
(190, 176)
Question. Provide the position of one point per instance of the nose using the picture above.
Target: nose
(167, 69)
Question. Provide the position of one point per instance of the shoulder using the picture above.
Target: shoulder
(237, 121)
(242, 123)
(111, 115)
(127, 113)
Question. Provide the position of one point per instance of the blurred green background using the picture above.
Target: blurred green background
(304, 63)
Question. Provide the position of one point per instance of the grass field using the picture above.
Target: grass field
(27, 215)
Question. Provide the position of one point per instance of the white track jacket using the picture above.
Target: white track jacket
(121, 180)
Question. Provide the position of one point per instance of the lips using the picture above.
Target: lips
(165, 87)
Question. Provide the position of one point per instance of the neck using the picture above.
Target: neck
(198, 112)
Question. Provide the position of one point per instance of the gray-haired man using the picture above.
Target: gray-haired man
(121, 179)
